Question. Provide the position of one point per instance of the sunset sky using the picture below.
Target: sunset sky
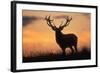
(39, 38)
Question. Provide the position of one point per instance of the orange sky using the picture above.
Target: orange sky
(39, 38)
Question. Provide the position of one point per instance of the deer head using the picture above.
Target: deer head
(61, 26)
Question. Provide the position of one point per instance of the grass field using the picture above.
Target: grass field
(83, 55)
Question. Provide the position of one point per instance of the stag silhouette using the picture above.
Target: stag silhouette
(63, 40)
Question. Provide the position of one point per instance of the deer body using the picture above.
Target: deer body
(63, 40)
(66, 41)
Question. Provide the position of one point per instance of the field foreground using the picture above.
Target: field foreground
(59, 57)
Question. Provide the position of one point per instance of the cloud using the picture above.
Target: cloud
(27, 19)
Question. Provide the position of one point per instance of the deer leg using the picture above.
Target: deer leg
(75, 48)
(72, 49)
(64, 53)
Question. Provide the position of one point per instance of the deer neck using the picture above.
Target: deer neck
(59, 37)
(59, 34)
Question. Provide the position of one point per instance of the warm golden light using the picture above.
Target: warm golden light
(39, 38)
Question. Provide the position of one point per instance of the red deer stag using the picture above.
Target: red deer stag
(63, 40)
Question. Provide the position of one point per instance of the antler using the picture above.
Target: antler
(50, 22)
(68, 19)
